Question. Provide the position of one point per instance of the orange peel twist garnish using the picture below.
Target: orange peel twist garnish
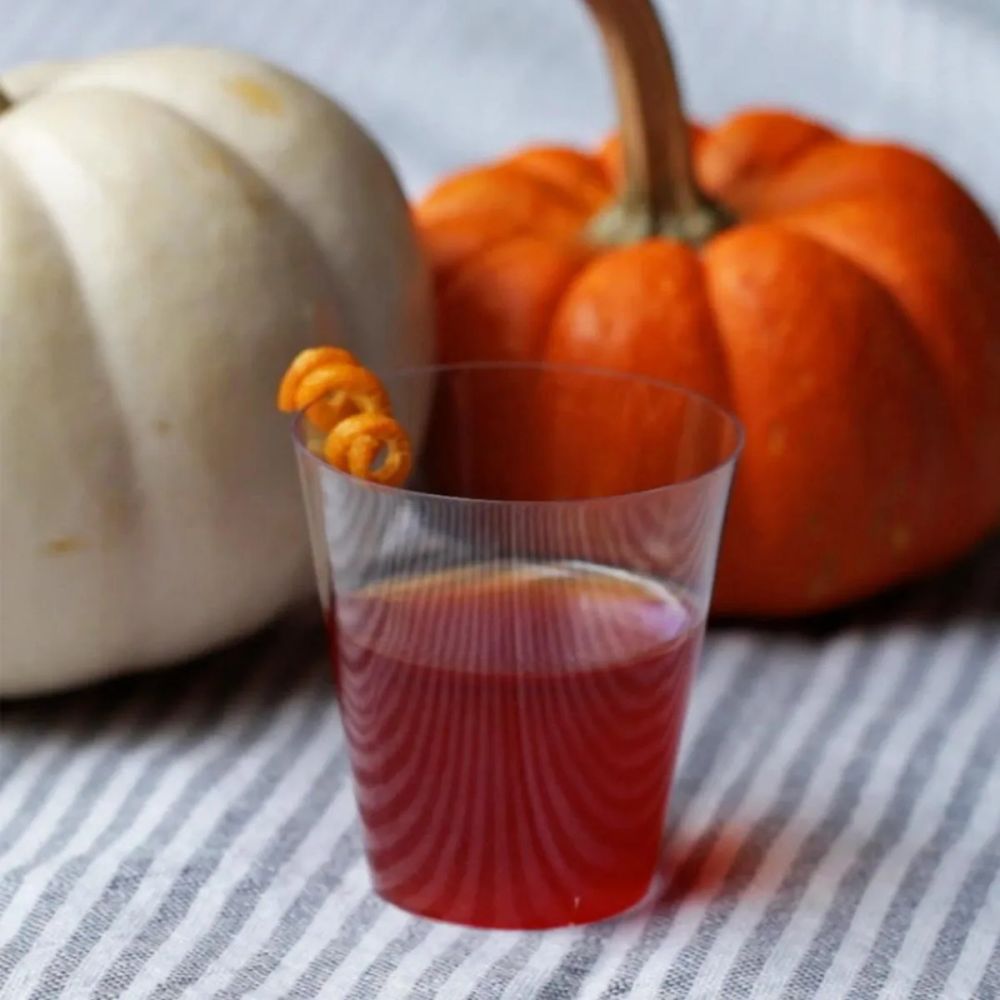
(348, 402)
(353, 444)
(326, 413)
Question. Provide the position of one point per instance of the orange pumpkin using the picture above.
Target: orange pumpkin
(842, 297)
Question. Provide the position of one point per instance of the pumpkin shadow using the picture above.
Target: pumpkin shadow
(966, 590)
(284, 660)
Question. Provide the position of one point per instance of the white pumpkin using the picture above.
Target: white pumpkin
(175, 224)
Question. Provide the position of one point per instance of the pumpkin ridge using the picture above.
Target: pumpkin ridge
(551, 189)
(669, 272)
(243, 166)
(964, 352)
(318, 148)
(240, 167)
(549, 186)
(526, 163)
(431, 207)
(808, 143)
(905, 506)
(720, 347)
(125, 516)
(446, 277)
(763, 159)
(872, 169)
(797, 222)
(540, 290)
(785, 223)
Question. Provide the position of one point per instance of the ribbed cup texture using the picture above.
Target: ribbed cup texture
(513, 637)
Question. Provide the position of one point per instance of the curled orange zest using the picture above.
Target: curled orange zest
(355, 442)
(344, 399)
(326, 413)
(351, 383)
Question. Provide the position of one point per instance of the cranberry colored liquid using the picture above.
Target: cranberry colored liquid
(513, 737)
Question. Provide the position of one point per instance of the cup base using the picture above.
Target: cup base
(530, 922)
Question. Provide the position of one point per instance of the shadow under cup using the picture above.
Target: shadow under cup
(514, 632)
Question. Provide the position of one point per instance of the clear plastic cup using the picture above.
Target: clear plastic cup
(514, 633)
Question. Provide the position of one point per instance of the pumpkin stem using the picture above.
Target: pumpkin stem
(660, 196)
(5, 101)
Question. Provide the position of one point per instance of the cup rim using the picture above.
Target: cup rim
(388, 375)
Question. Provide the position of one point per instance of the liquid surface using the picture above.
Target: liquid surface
(513, 735)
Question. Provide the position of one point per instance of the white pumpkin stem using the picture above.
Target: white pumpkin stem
(5, 101)
(660, 196)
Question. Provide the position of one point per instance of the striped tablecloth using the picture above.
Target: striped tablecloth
(835, 831)
(835, 826)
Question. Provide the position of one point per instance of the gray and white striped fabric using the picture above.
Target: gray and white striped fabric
(835, 831)
(835, 825)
